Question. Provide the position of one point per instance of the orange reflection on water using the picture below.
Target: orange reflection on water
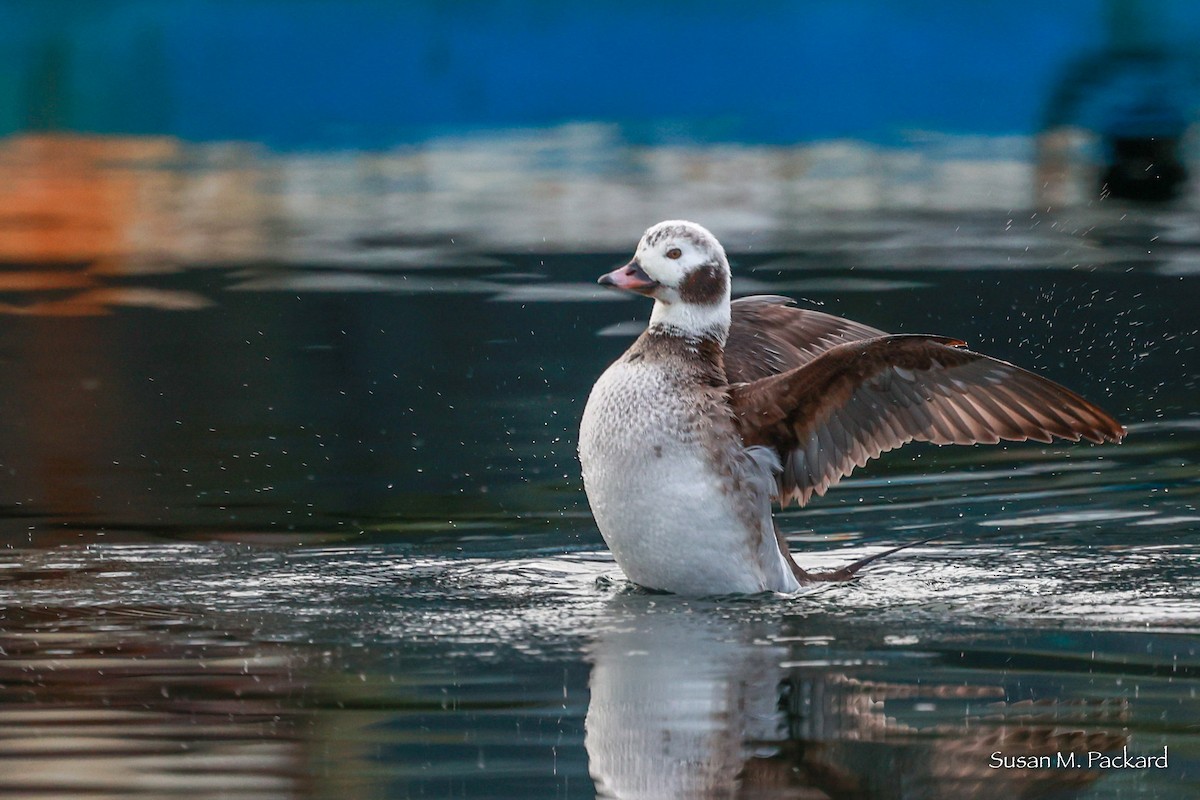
(75, 210)
(75, 198)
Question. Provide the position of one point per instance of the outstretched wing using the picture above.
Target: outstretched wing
(862, 398)
(768, 335)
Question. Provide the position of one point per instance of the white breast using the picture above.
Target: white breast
(666, 513)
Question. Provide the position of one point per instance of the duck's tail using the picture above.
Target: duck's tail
(850, 571)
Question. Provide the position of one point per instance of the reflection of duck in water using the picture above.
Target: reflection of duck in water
(674, 696)
(686, 703)
(719, 407)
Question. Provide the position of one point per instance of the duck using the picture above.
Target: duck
(723, 409)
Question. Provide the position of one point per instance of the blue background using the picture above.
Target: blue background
(366, 73)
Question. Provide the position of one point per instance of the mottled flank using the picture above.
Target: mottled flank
(667, 480)
(705, 285)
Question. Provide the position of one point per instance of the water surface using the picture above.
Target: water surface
(290, 504)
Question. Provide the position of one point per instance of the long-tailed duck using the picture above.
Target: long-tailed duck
(720, 408)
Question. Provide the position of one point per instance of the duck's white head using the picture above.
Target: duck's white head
(684, 268)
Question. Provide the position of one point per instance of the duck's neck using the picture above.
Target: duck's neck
(692, 321)
(700, 359)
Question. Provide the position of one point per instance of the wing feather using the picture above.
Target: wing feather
(768, 335)
(860, 398)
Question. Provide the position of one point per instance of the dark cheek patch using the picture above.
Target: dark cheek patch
(705, 285)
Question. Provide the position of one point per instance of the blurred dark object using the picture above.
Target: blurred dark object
(1143, 161)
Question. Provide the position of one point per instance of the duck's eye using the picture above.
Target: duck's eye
(674, 253)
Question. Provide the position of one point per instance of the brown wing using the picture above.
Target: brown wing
(860, 399)
(767, 335)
